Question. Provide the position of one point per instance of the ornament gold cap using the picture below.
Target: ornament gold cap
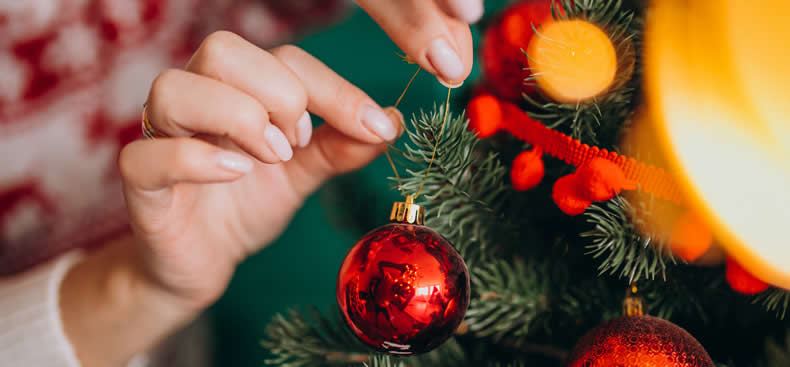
(633, 304)
(408, 212)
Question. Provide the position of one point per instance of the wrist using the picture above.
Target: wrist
(111, 311)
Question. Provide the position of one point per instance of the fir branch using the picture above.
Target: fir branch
(464, 191)
(315, 340)
(449, 354)
(510, 298)
(775, 300)
(598, 120)
(624, 251)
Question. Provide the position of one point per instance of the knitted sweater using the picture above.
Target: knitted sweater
(73, 77)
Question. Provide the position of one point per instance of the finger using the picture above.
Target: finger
(340, 103)
(438, 42)
(185, 104)
(469, 11)
(151, 165)
(331, 153)
(230, 59)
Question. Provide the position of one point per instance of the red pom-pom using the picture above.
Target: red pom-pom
(691, 237)
(601, 179)
(566, 195)
(503, 59)
(527, 170)
(741, 280)
(485, 115)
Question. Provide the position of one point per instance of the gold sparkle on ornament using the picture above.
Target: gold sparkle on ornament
(572, 60)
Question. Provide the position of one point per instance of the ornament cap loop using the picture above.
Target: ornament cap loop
(408, 212)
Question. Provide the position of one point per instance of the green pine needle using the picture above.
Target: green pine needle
(311, 339)
(622, 249)
(775, 300)
(464, 191)
(598, 120)
(509, 299)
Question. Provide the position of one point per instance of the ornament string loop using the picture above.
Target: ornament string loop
(435, 146)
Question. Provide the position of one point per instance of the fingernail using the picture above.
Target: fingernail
(278, 142)
(445, 60)
(234, 162)
(379, 123)
(448, 85)
(395, 114)
(469, 11)
(304, 130)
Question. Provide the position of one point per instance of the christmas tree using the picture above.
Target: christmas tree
(532, 181)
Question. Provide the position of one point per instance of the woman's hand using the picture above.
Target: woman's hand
(240, 158)
(434, 33)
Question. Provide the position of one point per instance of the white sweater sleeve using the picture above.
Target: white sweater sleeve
(31, 331)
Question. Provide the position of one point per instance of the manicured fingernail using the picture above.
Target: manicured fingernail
(278, 142)
(379, 123)
(448, 85)
(234, 162)
(445, 60)
(469, 11)
(304, 130)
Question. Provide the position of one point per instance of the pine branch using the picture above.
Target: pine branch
(777, 353)
(315, 340)
(449, 354)
(464, 191)
(598, 120)
(775, 300)
(509, 301)
(624, 251)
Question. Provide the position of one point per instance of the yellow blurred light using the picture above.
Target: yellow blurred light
(572, 60)
(718, 94)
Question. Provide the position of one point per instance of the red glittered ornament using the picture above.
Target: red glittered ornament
(403, 289)
(741, 280)
(527, 170)
(503, 60)
(639, 341)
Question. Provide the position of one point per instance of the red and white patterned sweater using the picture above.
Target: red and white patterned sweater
(73, 77)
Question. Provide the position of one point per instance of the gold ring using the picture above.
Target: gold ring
(149, 132)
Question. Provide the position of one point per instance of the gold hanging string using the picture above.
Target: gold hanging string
(436, 145)
(387, 152)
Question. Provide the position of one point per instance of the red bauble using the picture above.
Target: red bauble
(503, 60)
(527, 170)
(639, 341)
(403, 289)
(741, 280)
(485, 115)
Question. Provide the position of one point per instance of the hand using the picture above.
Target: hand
(240, 159)
(434, 33)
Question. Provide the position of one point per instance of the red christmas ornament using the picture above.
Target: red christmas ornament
(600, 179)
(567, 197)
(503, 59)
(639, 341)
(403, 289)
(741, 280)
(527, 170)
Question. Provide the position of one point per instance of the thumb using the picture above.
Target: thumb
(332, 153)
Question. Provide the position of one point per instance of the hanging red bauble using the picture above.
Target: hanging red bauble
(403, 289)
(741, 280)
(503, 59)
(639, 341)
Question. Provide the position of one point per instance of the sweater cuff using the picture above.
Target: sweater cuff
(31, 330)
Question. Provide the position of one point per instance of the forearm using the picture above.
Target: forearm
(110, 311)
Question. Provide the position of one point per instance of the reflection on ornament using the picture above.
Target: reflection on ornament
(403, 289)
